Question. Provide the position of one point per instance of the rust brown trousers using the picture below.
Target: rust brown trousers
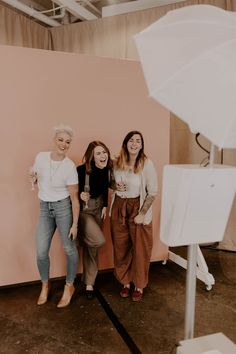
(132, 243)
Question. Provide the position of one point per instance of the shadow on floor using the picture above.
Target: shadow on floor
(109, 324)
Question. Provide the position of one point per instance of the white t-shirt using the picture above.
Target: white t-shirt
(54, 176)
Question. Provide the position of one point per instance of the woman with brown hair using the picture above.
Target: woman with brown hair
(131, 215)
(93, 194)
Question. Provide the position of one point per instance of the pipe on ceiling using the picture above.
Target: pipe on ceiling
(33, 13)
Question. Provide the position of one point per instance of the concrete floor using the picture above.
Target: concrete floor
(111, 325)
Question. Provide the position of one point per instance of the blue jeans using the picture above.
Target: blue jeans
(55, 215)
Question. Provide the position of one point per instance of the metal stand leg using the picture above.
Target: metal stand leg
(202, 269)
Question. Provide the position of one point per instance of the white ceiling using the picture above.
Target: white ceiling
(60, 12)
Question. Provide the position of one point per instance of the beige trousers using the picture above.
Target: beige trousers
(91, 238)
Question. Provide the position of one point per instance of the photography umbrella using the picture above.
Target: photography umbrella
(189, 63)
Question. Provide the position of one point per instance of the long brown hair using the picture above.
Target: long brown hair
(124, 158)
(88, 157)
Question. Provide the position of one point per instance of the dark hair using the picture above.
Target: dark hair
(88, 157)
(124, 158)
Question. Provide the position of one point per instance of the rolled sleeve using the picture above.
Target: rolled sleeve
(151, 179)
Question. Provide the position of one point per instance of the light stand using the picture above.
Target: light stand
(192, 277)
(190, 291)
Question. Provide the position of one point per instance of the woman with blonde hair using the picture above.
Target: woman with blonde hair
(131, 215)
(57, 181)
(93, 194)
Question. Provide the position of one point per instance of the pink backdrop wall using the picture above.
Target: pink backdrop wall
(101, 99)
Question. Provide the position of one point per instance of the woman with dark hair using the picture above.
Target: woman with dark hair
(131, 215)
(93, 194)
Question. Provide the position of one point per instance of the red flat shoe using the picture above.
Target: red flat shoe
(137, 295)
(125, 292)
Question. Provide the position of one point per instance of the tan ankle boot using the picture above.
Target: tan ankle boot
(69, 290)
(43, 297)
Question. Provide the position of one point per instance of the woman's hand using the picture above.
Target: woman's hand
(32, 175)
(73, 232)
(104, 213)
(139, 219)
(73, 190)
(85, 196)
(121, 186)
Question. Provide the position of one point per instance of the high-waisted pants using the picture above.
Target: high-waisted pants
(91, 238)
(132, 243)
(55, 215)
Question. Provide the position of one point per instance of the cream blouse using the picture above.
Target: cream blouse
(148, 186)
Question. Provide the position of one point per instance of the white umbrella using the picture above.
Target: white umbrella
(189, 63)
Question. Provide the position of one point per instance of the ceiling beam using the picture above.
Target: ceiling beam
(76, 9)
(130, 6)
(31, 12)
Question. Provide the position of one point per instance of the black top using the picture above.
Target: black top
(98, 182)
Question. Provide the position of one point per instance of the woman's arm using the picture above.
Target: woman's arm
(73, 190)
(112, 181)
(146, 204)
(151, 189)
(105, 193)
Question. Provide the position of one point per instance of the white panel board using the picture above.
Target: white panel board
(196, 203)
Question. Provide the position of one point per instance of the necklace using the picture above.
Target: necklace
(130, 166)
(130, 169)
(54, 167)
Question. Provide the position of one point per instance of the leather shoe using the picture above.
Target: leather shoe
(69, 290)
(89, 294)
(137, 295)
(125, 292)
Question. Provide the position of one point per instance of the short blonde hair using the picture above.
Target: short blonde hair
(62, 128)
